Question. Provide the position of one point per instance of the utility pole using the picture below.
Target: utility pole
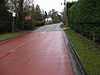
(65, 14)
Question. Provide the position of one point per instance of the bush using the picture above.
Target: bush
(38, 23)
(28, 25)
(31, 24)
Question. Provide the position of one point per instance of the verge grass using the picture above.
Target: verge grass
(62, 26)
(88, 52)
(8, 35)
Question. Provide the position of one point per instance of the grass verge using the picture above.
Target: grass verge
(8, 35)
(62, 26)
(88, 52)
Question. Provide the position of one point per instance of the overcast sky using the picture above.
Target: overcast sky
(51, 4)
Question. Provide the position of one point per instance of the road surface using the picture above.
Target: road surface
(41, 52)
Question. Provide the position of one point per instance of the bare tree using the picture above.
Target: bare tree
(21, 8)
(28, 5)
(13, 5)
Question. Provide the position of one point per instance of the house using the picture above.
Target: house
(48, 20)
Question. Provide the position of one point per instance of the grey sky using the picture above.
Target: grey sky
(51, 4)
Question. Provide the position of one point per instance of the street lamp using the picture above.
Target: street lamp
(13, 15)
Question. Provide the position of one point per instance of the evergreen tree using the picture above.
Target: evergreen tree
(38, 14)
(5, 17)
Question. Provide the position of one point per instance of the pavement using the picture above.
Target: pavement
(40, 52)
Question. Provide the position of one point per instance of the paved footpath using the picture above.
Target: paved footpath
(42, 52)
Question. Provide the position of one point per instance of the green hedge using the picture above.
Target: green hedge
(84, 18)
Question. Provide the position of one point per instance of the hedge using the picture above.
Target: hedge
(84, 18)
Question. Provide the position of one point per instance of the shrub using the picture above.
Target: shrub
(38, 23)
(28, 25)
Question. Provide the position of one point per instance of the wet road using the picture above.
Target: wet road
(41, 52)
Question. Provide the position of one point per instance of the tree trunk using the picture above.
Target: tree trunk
(20, 15)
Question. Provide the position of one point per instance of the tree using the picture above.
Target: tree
(69, 4)
(45, 15)
(20, 14)
(28, 6)
(13, 5)
(22, 9)
(38, 14)
(5, 17)
(55, 16)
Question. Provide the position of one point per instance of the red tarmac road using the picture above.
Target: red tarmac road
(35, 53)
